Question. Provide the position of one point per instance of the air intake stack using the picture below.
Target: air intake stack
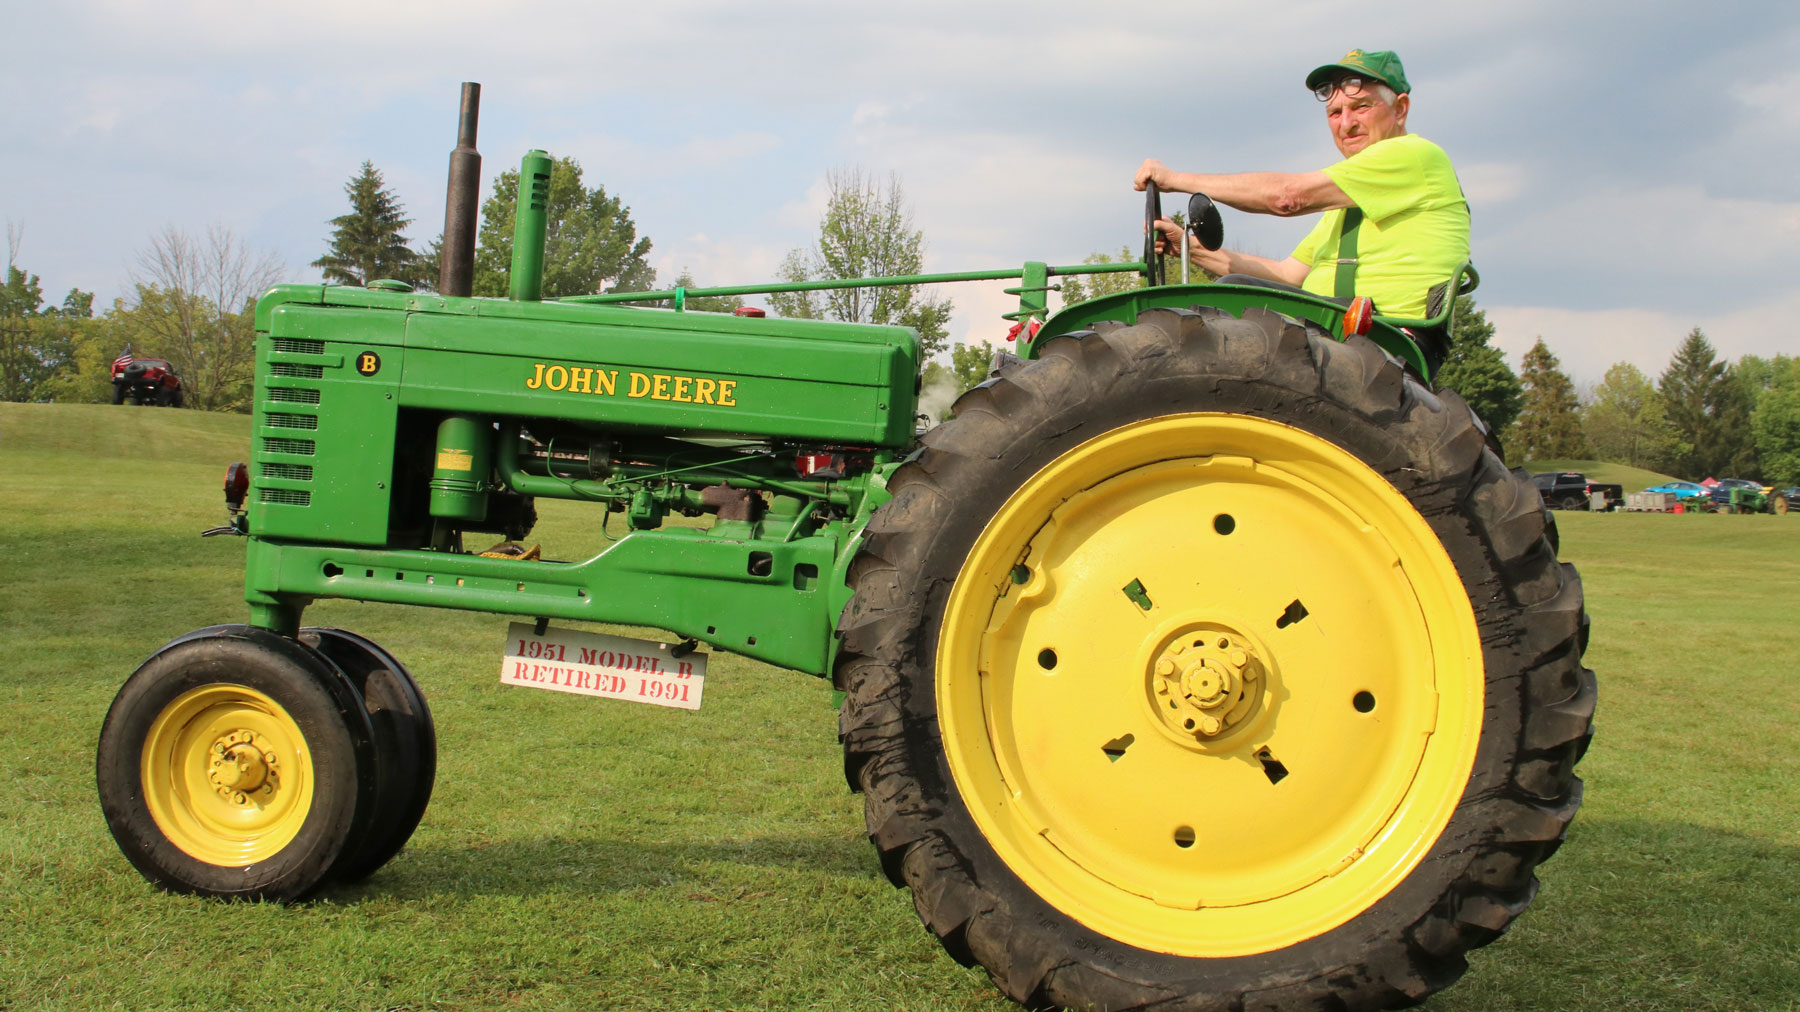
(530, 223)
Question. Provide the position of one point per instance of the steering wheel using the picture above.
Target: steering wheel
(1153, 266)
(1202, 219)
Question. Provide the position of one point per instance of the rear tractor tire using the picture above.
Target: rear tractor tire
(1212, 663)
(235, 762)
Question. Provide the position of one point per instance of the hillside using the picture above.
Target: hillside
(1634, 479)
(111, 431)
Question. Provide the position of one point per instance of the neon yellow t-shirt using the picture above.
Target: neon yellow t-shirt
(1415, 228)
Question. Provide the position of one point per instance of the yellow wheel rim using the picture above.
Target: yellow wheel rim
(227, 775)
(1209, 705)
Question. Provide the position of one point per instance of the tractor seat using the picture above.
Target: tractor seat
(1431, 333)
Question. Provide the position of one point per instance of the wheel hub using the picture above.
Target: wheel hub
(1206, 682)
(239, 768)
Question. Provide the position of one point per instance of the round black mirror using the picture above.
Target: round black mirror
(1203, 218)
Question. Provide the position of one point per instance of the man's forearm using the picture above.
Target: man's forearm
(1246, 191)
(1227, 261)
(1279, 193)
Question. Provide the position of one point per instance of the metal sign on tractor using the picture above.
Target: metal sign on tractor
(1208, 652)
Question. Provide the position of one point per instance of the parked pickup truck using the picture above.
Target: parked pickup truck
(1571, 490)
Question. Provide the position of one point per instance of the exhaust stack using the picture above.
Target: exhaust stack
(456, 267)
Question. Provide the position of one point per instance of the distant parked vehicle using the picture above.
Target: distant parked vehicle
(1571, 490)
(145, 381)
(1741, 495)
(1789, 495)
(1683, 489)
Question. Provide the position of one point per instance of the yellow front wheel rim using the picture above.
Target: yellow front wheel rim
(1209, 705)
(227, 775)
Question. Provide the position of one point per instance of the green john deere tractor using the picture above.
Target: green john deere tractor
(1208, 656)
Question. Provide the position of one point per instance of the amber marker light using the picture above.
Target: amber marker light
(1359, 316)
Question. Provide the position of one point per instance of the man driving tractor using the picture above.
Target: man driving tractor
(1396, 221)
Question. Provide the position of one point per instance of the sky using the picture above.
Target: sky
(1633, 168)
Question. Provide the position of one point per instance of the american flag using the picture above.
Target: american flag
(123, 362)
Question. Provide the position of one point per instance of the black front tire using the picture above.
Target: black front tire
(184, 705)
(1535, 724)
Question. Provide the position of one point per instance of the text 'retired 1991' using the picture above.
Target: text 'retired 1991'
(593, 664)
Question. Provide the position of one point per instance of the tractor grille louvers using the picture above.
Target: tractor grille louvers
(283, 483)
(286, 496)
(292, 472)
(275, 444)
(299, 345)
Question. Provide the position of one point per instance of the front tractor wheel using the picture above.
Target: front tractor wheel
(234, 762)
(1207, 658)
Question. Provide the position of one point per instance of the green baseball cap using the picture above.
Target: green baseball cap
(1383, 65)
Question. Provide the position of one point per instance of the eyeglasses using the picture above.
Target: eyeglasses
(1351, 86)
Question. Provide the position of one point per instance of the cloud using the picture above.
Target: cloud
(1490, 183)
(716, 262)
(1589, 341)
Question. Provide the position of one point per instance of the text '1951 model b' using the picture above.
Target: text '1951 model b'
(1207, 656)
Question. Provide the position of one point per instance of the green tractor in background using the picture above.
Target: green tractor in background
(1207, 656)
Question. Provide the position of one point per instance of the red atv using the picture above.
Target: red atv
(145, 381)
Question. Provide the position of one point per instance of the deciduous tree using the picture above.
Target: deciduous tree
(1082, 287)
(369, 242)
(1548, 427)
(1625, 424)
(37, 340)
(1775, 422)
(21, 301)
(867, 231)
(591, 244)
(706, 303)
(193, 305)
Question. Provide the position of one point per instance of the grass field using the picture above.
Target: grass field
(592, 854)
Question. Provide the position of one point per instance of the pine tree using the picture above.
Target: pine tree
(1478, 371)
(1548, 427)
(1708, 405)
(367, 243)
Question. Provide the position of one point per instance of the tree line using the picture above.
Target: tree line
(1701, 417)
(194, 295)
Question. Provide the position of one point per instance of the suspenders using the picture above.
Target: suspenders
(1346, 257)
